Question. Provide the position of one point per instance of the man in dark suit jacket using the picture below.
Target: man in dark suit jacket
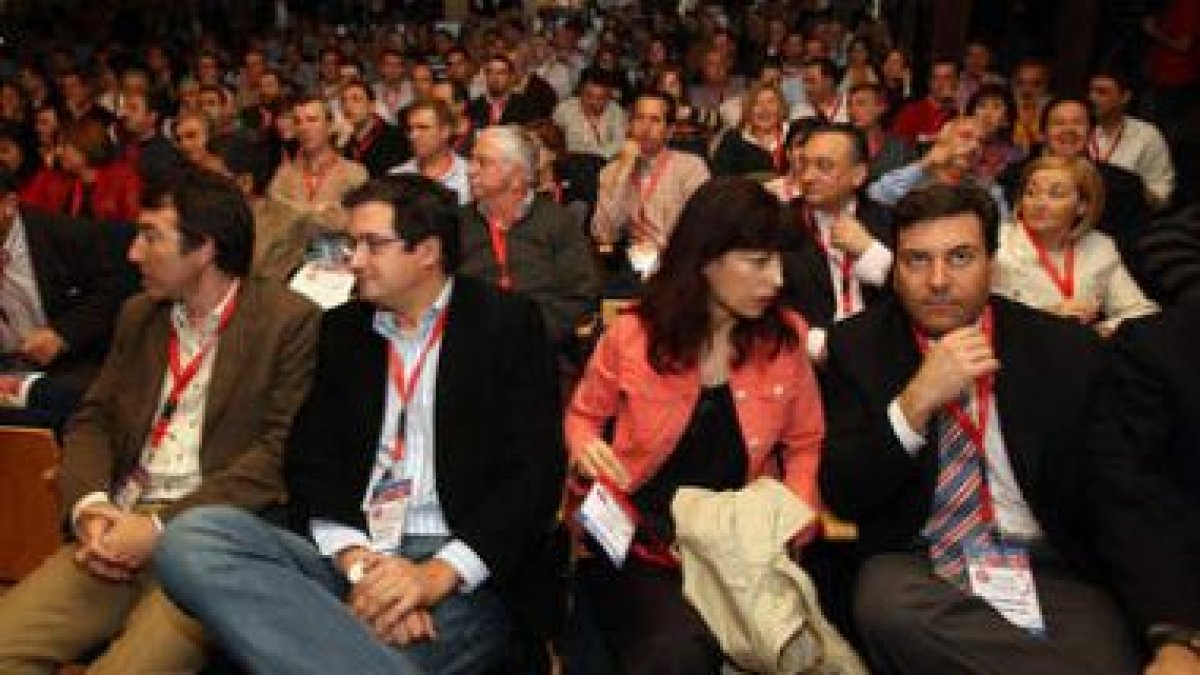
(60, 297)
(843, 253)
(1147, 483)
(1006, 386)
(502, 102)
(192, 406)
(426, 467)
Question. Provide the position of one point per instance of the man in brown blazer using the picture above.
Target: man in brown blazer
(191, 407)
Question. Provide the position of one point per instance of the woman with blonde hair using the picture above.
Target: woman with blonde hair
(756, 147)
(1052, 257)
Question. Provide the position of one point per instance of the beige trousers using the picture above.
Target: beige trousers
(61, 612)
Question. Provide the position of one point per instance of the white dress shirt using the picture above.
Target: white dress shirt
(455, 177)
(1138, 145)
(20, 302)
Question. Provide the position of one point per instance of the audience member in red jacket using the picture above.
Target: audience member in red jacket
(89, 181)
(919, 121)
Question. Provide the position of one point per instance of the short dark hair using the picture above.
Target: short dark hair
(1062, 100)
(421, 208)
(995, 92)
(828, 68)
(210, 207)
(1117, 75)
(439, 108)
(859, 151)
(594, 75)
(941, 201)
(358, 83)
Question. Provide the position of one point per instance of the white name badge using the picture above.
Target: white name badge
(326, 286)
(602, 515)
(1006, 583)
(385, 514)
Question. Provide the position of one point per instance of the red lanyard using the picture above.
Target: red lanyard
(364, 144)
(77, 197)
(314, 179)
(596, 133)
(496, 110)
(182, 375)
(1094, 144)
(1065, 282)
(649, 183)
(845, 267)
(462, 140)
(779, 154)
(499, 236)
(874, 144)
(976, 429)
(406, 385)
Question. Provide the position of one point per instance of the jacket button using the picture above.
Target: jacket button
(739, 394)
(778, 390)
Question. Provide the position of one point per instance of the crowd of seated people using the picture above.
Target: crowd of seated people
(364, 409)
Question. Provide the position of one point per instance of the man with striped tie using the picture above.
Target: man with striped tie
(956, 442)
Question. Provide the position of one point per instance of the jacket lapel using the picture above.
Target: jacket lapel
(233, 349)
(1018, 411)
(147, 386)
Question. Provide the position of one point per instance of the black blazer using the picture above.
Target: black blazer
(1048, 375)
(500, 457)
(80, 289)
(1146, 440)
(808, 286)
(381, 150)
(521, 109)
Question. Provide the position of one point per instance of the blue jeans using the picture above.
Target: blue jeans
(274, 604)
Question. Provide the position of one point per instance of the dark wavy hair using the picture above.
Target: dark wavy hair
(724, 214)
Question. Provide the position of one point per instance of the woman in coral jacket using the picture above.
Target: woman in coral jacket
(705, 383)
(90, 181)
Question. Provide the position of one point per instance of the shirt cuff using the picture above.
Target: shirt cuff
(911, 440)
(874, 264)
(470, 568)
(86, 501)
(332, 538)
(815, 343)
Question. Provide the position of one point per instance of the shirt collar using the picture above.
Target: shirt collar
(824, 219)
(384, 322)
(209, 324)
(14, 243)
(526, 205)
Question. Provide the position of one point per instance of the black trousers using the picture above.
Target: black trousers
(645, 622)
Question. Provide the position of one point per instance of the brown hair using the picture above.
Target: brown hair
(90, 137)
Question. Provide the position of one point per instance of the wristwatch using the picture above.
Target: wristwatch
(1171, 634)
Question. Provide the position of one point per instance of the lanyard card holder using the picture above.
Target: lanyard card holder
(1000, 574)
(386, 511)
